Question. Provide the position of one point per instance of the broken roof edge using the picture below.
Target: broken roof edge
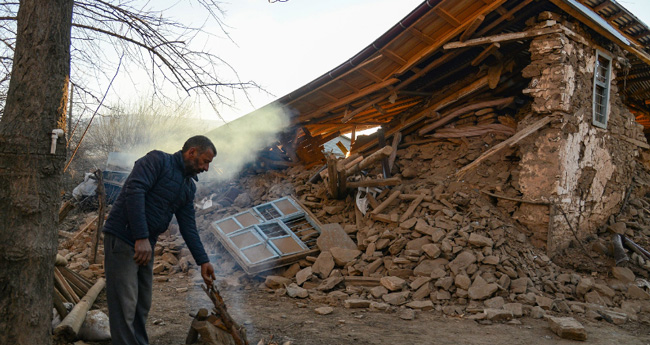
(595, 21)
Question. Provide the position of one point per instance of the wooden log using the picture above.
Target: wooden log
(342, 180)
(411, 208)
(67, 206)
(635, 247)
(385, 218)
(506, 143)
(101, 212)
(415, 196)
(193, 334)
(368, 161)
(386, 202)
(384, 160)
(507, 37)
(446, 118)
(391, 159)
(333, 177)
(492, 49)
(69, 327)
(472, 28)
(76, 279)
(348, 161)
(393, 181)
(535, 202)
(58, 305)
(63, 287)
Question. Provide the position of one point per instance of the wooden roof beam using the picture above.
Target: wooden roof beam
(602, 6)
(447, 16)
(504, 13)
(345, 100)
(490, 50)
(471, 29)
(327, 95)
(348, 85)
(615, 16)
(370, 75)
(421, 36)
(643, 33)
(394, 57)
(515, 36)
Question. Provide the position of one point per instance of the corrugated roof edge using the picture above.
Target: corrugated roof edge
(365, 53)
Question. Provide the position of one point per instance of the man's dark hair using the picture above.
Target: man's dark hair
(201, 142)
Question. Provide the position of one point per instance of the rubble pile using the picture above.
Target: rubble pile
(451, 245)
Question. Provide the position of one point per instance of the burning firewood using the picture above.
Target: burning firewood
(228, 324)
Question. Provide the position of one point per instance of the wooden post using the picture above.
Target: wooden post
(101, 198)
(384, 160)
(386, 202)
(333, 176)
(391, 159)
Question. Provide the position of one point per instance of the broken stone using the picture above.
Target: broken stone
(498, 314)
(519, 286)
(567, 328)
(636, 292)
(544, 302)
(303, 275)
(324, 310)
(378, 291)
(406, 314)
(537, 312)
(342, 256)
(422, 305)
(445, 283)
(276, 282)
(462, 261)
(393, 283)
(480, 240)
(329, 283)
(332, 235)
(482, 292)
(333, 209)
(584, 286)
(516, 309)
(421, 293)
(323, 265)
(432, 250)
(443, 295)
(295, 291)
(492, 260)
(419, 281)
(495, 302)
(357, 303)
(615, 317)
(623, 274)
(379, 306)
(618, 228)
(462, 281)
(396, 298)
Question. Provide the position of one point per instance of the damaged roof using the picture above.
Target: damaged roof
(411, 71)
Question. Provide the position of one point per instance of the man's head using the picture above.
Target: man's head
(198, 151)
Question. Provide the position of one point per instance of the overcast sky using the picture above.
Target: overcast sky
(285, 45)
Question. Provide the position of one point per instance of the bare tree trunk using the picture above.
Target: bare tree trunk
(30, 177)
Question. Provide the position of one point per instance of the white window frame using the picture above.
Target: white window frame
(602, 121)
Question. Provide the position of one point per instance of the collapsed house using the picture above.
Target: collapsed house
(569, 78)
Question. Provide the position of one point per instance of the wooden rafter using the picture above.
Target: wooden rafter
(446, 16)
(327, 95)
(507, 37)
(421, 36)
(394, 57)
(471, 29)
(370, 75)
(602, 6)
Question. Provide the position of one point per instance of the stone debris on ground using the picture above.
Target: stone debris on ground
(459, 252)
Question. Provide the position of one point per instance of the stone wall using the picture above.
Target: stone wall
(582, 170)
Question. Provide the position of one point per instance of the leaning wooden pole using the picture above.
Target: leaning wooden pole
(69, 327)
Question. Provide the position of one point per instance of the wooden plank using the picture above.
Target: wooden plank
(368, 161)
(494, 75)
(391, 159)
(414, 204)
(506, 143)
(372, 201)
(471, 29)
(421, 36)
(346, 100)
(415, 196)
(385, 218)
(490, 50)
(370, 75)
(69, 327)
(446, 16)
(393, 181)
(333, 176)
(464, 109)
(386, 202)
(394, 57)
(516, 199)
(507, 37)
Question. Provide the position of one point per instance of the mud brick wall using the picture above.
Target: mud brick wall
(581, 169)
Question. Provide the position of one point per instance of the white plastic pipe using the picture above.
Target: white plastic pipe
(56, 133)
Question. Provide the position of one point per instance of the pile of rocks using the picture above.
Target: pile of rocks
(457, 250)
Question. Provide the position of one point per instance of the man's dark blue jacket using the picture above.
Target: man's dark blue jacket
(156, 189)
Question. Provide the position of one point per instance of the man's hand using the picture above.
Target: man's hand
(207, 272)
(142, 252)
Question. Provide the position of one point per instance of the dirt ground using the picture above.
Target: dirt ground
(267, 315)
